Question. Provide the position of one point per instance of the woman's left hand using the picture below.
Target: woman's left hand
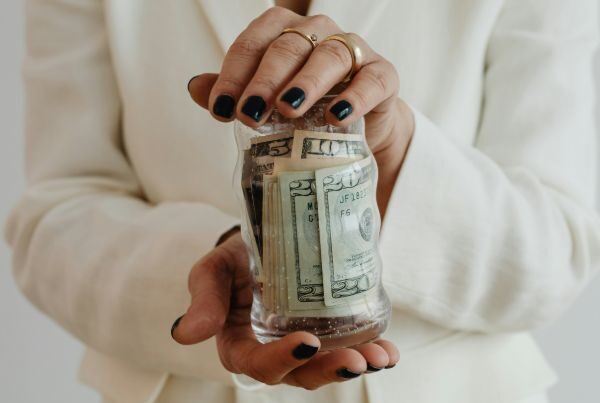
(264, 69)
(221, 289)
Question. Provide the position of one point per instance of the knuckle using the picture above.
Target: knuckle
(289, 49)
(310, 82)
(246, 47)
(263, 376)
(322, 19)
(302, 382)
(271, 381)
(336, 51)
(216, 264)
(274, 15)
(265, 81)
(276, 11)
(197, 271)
(224, 350)
(377, 78)
(391, 74)
(260, 372)
(309, 386)
(231, 83)
(227, 365)
(360, 100)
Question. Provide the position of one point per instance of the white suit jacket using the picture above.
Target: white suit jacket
(490, 231)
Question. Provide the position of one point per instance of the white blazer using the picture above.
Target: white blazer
(490, 231)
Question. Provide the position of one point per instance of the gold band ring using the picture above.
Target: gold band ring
(312, 38)
(355, 52)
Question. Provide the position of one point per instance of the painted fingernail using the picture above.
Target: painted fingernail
(190, 82)
(175, 324)
(371, 368)
(254, 107)
(345, 373)
(390, 366)
(294, 96)
(341, 110)
(304, 351)
(223, 106)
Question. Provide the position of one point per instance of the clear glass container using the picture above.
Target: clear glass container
(311, 224)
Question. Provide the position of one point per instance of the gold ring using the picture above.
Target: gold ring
(312, 38)
(355, 52)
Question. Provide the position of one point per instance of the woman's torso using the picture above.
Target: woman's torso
(180, 153)
(437, 47)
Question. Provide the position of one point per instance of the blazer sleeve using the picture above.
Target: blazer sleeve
(89, 250)
(502, 235)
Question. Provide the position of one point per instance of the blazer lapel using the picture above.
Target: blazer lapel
(230, 17)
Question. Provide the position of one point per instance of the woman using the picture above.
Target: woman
(487, 187)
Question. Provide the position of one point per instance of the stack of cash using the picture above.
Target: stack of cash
(313, 219)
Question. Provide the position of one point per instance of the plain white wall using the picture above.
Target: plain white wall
(38, 360)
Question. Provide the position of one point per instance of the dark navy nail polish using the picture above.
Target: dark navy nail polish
(254, 107)
(223, 106)
(294, 96)
(371, 368)
(341, 109)
(345, 373)
(304, 351)
(190, 82)
(390, 366)
(175, 324)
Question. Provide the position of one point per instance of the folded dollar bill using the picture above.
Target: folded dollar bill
(310, 201)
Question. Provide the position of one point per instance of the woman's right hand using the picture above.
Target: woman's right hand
(221, 289)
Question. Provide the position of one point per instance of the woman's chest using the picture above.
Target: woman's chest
(180, 153)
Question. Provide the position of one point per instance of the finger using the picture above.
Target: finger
(243, 58)
(210, 284)
(337, 366)
(391, 350)
(328, 64)
(282, 60)
(374, 83)
(375, 355)
(269, 363)
(199, 88)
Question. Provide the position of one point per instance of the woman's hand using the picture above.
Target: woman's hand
(221, 288)
(264, 69)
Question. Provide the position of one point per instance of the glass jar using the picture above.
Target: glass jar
(310, 222)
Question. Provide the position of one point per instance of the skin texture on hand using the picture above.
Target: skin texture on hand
(263, 70)
(221, 288)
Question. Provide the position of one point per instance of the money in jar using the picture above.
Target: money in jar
(310, 222)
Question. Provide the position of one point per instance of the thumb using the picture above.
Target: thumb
(209, 284)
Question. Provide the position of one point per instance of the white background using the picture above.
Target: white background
(38, 360)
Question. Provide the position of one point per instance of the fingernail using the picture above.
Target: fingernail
(304, 351)
(294, 96)
(371, 368)
(190, 82)
(390, 366)
(345, 373)
(175, 324)
(254, 107)
(341, 110)
(223, 106)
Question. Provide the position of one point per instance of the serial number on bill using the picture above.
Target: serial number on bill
(351, 197)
